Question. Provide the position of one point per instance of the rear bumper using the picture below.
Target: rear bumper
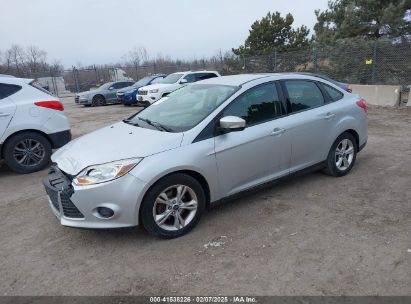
(59, 139)
(362, 146)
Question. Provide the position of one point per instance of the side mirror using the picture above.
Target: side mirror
(183, 81)
(231, 124)
(111, 88)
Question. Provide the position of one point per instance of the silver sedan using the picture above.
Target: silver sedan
(205, 143)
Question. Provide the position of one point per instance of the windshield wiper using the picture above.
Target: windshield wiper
(128, 121)
(156, 125)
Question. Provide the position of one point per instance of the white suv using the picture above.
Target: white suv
(149, 94)
(32, 123)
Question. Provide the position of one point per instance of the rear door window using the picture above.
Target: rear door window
(7, 90)
(303, 95)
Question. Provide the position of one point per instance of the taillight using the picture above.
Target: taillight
(349, 89)
(51, 104)
(361, 103)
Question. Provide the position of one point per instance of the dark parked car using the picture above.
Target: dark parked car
(128, 95)
(102, 95)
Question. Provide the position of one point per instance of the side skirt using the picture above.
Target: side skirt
(269, 184)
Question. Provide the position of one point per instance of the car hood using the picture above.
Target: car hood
(86, 93)
(161, 87)
(115, 142)
(127, 89)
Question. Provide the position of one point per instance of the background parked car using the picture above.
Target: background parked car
(103, 95)
(32, 123)
(149, 94)
(128, 95)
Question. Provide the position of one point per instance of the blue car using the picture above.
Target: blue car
(127, 96)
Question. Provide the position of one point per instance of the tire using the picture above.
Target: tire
(23, 161)
(172, 209)
(341, 157)
(98, 100)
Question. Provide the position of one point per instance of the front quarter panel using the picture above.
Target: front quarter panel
(198, 157)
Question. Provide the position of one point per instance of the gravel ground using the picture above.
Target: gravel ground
(314, 235)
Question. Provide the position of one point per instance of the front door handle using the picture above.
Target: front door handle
(277, 131)
(4, 114)
(329, 115)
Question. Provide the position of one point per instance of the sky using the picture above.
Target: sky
(101, 31)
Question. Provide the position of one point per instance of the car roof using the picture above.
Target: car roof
(238, 80)
(235, 80)
(194, 72)
(15, 80)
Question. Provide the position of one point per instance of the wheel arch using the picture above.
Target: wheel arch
(2, 146)
(355, 135)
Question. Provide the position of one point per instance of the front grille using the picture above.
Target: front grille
(69, 209)
(58, 186)
(142, 92)
(53, 195)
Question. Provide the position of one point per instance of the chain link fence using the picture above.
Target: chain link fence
(367, 62)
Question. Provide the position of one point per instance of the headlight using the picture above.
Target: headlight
(153, 91)
(105, 172)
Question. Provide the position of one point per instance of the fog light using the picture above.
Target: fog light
(105, 212)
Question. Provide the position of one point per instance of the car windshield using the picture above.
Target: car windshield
(172, 78)
(142, 82)
(183, 109)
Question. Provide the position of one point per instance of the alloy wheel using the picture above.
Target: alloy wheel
(29, 152)
(344, 154)
(175, 207)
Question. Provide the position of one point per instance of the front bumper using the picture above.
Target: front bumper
(82, 100)
(76, 206)
(149, 98)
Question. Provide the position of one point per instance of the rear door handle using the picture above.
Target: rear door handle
(277, 131)
(329, 116)
(4, 114)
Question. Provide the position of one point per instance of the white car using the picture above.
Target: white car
(32, 123)
(150, 94)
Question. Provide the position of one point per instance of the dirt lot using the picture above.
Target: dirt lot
(315, 235)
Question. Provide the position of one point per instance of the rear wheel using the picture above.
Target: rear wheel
(27, 152)
(173, 206)
(342, 155)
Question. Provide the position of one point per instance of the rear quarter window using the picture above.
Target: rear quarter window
(332, 92)
(37, 86)
(7, 90)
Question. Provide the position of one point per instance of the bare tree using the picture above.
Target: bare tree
(16, 58)
(136, 56)
(36, 59)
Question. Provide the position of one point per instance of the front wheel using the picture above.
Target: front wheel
(342, 155)
(27, 152)
(173, 206)
(98, 101)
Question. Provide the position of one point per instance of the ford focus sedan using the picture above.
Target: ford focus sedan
(205, 143)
